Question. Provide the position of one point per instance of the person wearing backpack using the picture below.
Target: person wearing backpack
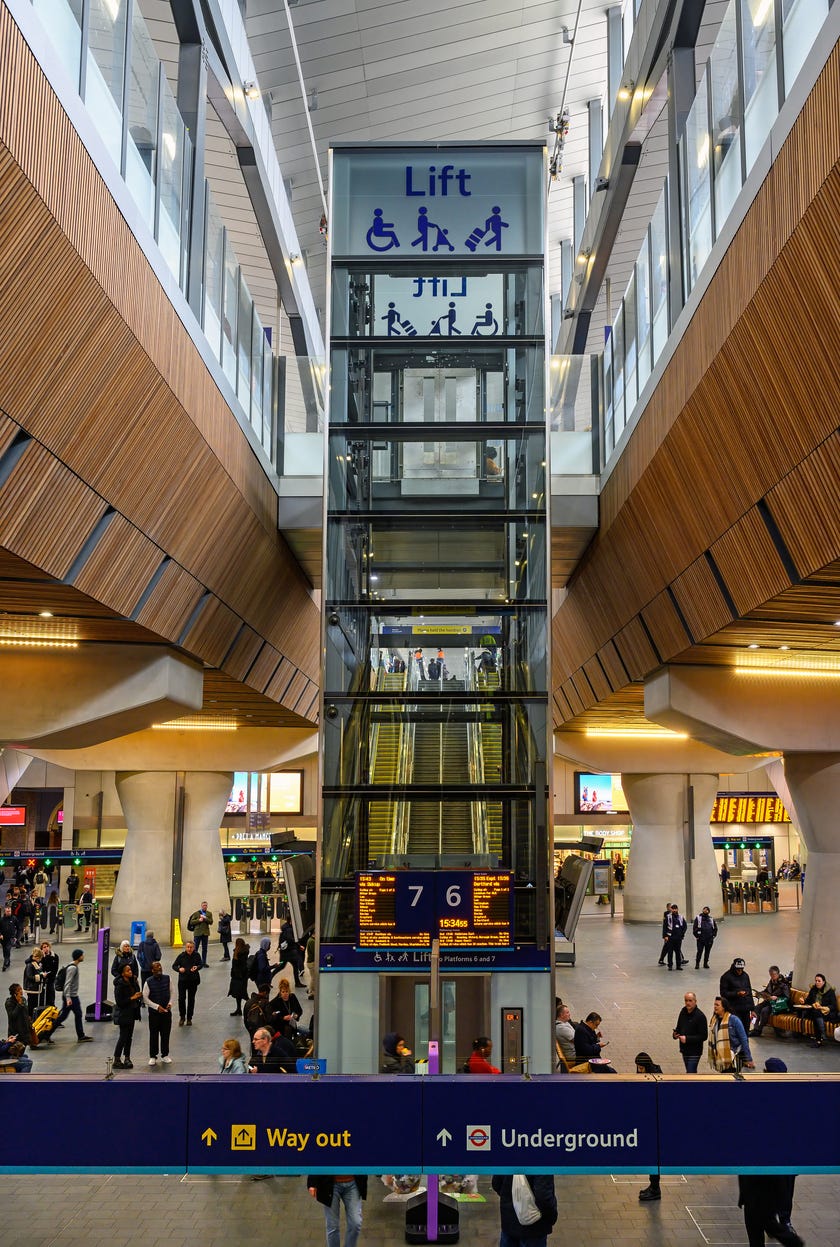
(539, 1210)
(224, 934)
(148, 953)
(239, 974)
(200, 923)
(67, 982)
(260, 969)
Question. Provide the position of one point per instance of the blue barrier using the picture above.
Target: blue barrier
(343, 1124)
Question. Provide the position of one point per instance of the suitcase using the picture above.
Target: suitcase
(45, 1021)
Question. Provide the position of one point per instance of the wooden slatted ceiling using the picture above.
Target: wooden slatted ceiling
(745, 419)
(95, 364)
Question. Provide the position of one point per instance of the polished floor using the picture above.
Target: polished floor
(615, 973)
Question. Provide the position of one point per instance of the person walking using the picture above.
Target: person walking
(673, 931)
(543, 1204)
(692, 1031)
(70, 994)
(736, 990)
(239, 975)
(49, 969)
(651, 1193)
(127, 997)
(147, 954)
(9, 930)
(188, 965)
(728, 1043)
(157, 993)
(200, 923)
(332, 1191)
(225, 934)
(72, 885)
(762, 1195)
(704, 929)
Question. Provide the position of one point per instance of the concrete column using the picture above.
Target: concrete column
(813, 780)
(203, 875)
(144, 886)
(662, 867)
(12, 765)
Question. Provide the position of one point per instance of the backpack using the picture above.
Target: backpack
(61, 979)
(193, 922)
(251, 965)
(524, 1204)
(141, 956)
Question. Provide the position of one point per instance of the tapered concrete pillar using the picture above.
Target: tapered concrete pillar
(12, 765)
(813, 780)
(663, 864)
(150, 801)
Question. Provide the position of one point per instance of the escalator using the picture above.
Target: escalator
(490, 754)
(440, 753)
(388, 744)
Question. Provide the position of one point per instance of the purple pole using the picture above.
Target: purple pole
(432, 1178)
(103, 945)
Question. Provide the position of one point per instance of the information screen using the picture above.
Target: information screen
(408, 909)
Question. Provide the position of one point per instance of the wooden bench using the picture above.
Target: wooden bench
(8, 1066)
(796, 1022)
(563, 1064)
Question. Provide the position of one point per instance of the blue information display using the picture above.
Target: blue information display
(275, 1124)
(470, 909)
(463, 1124)
(106, 1126)
(542, 1125)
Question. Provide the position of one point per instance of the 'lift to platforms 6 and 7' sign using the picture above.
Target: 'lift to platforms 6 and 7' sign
(466, 1124)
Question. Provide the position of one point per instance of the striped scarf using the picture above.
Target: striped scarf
(720, 1053)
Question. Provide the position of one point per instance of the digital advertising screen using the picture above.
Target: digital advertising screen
(599, 794)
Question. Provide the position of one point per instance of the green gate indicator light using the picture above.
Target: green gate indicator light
(77, 861)
(234, 858)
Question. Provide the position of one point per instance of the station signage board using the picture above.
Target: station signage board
(463, 909)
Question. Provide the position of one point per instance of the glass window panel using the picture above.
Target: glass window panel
(802, 22)
(105, 71)
(405, 559)
(500, 648)
(694, 159)
(609, 426)
(392, 475)
(618, 373)
(761, 88)
(630, 345)
(246, 306)
(257, 339)
(726, 118)
(511, 735)
(213, 275)
(659, 269)
(460, 383)
(230, 306)
(410, 303)
(173, 145)
(267, 401)
(643, 312)
(62, 20)
(141, 153)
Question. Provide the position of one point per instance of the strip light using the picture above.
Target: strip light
(197, 725)
(635, 733)
(797, 672)
(19, 642)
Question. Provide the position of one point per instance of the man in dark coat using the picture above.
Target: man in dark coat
(513, 1231)
(736, 990)
(673, 934)
(272, 1055)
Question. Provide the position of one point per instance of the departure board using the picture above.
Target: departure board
(408, 908)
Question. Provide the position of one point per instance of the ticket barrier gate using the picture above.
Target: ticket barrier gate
(79, 923)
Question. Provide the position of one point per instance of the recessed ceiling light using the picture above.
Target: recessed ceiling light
(753, 646)
(784, 647)
(45, 614)
(837, 623)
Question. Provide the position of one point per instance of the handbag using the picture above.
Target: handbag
(780, 1005)
(524, 1204)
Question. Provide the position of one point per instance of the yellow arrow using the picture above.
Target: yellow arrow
(209, 1136)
